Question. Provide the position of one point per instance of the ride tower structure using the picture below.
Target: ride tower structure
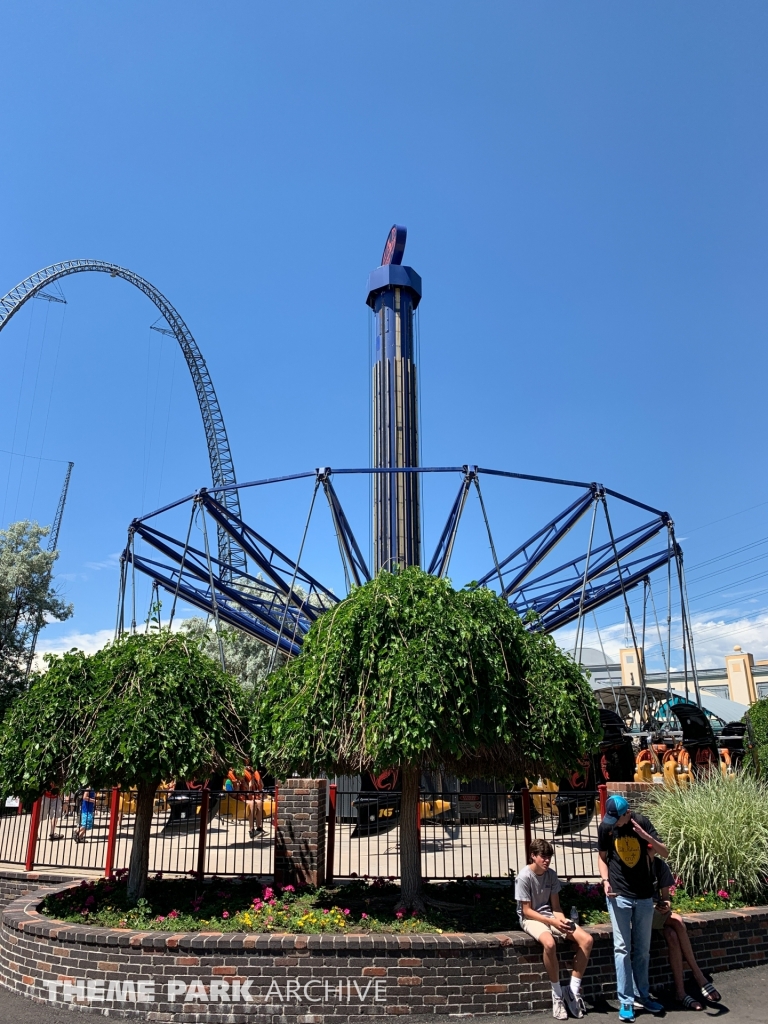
(394, 293)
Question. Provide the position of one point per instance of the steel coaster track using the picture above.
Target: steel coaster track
(219, 453)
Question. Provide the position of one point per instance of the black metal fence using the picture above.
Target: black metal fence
(482, 835)
(238, 837)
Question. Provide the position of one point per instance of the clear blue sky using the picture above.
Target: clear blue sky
(584, 190)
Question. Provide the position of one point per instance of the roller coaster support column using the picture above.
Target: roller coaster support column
(394, 292)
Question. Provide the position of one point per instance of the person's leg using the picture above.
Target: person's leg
(620, 910)
(551, 963)
(583, 942)
(675, 960)
(677, 927)
(258, 806)
(642, 923)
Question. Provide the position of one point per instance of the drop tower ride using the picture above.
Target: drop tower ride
(394, 292)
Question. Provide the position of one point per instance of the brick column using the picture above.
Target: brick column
(633, 792)
(300, 832)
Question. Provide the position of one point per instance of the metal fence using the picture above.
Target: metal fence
(482, 835)
(237, 839)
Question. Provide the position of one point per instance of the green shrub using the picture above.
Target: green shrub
(717, 833)
(758, 718)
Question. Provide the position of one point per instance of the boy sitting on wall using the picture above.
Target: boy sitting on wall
(538, 907)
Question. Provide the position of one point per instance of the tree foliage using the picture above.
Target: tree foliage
(758, 718)
(409, 671)
(144, 709)
(27, 601)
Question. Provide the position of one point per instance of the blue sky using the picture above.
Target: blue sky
(583, 187)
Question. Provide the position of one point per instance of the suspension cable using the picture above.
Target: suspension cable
(213, 593)
(640, 665)
(273, 656)
(490, 538)
(580, 620)
(181, 566)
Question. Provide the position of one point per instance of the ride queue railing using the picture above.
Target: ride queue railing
(193, 831)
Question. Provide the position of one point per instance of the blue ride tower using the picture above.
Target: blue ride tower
(394, 292)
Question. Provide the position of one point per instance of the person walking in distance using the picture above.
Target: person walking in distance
(624, 841)
(538, 907)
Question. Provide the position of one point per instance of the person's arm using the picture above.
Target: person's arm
(602, 867)
(664, 906)
(534, 915)
(650, 837)
(559, 916)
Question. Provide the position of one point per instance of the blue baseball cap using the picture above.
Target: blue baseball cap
(614, 808)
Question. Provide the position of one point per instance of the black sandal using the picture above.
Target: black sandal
(710, 993)
(689, 1003)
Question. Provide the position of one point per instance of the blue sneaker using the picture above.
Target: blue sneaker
(651, 1005)
(626, 1012)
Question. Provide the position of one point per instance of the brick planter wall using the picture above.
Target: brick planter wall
(17, 883)
(309, 978)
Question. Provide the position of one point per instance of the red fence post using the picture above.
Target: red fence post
(602, 789)
(525, 799)
(34, 828)
(330, 842)
(114, 814)
(204, 805)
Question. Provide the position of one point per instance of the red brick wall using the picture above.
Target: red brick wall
(416, 974)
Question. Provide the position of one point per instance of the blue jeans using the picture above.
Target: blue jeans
(632, 921)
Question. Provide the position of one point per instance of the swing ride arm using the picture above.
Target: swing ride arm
(219, 453)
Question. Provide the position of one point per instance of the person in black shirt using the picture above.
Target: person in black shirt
(624, 840)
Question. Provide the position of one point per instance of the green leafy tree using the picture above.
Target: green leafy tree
(409, 672)
(27, 601)
(144, 709)
(758, 719)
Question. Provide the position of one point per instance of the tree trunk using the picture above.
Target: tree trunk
(410, 852)
(139, 865)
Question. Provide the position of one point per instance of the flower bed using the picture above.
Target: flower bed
(246, 905)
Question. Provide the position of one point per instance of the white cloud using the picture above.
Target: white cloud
(110, 562)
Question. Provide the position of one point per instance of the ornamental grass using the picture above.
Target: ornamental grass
(717, 833)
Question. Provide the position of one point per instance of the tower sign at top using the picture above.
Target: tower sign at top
(395, 247)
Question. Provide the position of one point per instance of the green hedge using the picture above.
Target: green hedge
(758, 717)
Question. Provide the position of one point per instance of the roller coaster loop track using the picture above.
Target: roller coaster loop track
(219, 454)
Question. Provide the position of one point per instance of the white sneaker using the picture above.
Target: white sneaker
(575, 1004)
(559, 1011)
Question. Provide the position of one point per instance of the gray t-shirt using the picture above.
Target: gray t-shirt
(536, 890)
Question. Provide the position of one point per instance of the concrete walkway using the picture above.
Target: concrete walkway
(745, 994)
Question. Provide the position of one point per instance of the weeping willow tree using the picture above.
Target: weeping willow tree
(408, 672)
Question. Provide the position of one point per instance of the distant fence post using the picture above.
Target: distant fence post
(602, 789)
(330, 844)
(525, 800)
(114, 813)
(34, 828)
(204, 805)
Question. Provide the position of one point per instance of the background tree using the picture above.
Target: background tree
(144, 709)
(409, 672)
(758, 718)
(27, 601)
(247, 658)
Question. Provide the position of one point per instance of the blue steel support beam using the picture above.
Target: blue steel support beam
(350, 550)
(442, 556)
(549, 537)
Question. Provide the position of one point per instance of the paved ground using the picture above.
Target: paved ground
(745, 996)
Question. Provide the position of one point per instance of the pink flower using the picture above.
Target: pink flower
(225, 914)
(173, 913)
(289, 888)
(326, 911)
(398, 914)
(364, 917)
(346, 911)
(268, 893)
(160, 917)
(723, 894)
